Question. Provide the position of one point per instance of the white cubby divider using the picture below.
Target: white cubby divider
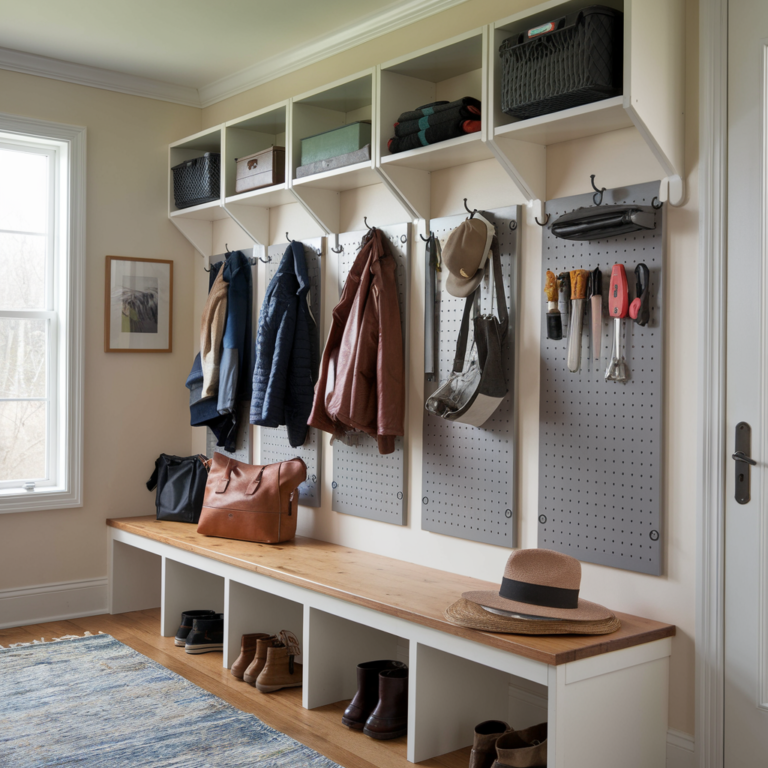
(468, 64)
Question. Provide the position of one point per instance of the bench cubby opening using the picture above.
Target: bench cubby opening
(135, 575)
(185, 589)
(335, 646)
(249, 610)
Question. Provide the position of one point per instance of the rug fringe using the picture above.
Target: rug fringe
(43, 641)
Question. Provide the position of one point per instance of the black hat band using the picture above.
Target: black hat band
(536, 594)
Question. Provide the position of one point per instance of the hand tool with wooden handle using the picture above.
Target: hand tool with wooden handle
(639, 309)
(554, 326)
(618, 304)
(596, 304)
(564, 298)
(578, 294)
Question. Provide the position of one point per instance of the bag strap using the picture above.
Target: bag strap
(471, 303)
(152, 482)
(253, 486)
(224, 482)
(498, 280)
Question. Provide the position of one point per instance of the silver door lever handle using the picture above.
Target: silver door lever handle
(740, 456)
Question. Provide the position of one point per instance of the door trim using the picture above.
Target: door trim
(710, 576)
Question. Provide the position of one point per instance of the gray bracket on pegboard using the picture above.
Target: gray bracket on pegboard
(468, 473)
(365, 482)
(600, 442)
(273, 443)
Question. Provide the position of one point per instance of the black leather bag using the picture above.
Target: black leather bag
(180, 483)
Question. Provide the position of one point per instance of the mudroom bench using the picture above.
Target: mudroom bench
(605, 698)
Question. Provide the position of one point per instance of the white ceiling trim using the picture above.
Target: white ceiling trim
(95, 77)
(305, 55)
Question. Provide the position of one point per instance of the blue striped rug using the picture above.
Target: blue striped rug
(95, 702)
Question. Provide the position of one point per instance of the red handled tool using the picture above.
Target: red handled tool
(618, 305)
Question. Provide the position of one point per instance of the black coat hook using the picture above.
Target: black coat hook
(595, 199)
(513, 225)
(542, 223)
(365, 221)
(288, 238)
(338, 250)
(471, 213)
(425, 239)
(656, 204)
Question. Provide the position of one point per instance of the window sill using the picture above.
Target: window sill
(15, 500)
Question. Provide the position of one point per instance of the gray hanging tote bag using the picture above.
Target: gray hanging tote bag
(471, 396)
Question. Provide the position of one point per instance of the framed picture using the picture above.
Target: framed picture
(138, 309)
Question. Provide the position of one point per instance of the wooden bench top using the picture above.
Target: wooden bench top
(411, 592)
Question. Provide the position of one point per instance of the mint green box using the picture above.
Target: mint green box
(339, 141)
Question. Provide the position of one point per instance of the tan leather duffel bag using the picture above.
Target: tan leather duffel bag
(252, 503)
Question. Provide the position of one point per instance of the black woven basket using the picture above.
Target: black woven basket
(570, 61)
(197, 181)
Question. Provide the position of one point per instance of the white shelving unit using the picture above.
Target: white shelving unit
(447, 71)
(466, 65)
(652, 99)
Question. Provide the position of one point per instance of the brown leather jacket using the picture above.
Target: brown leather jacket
(362, 376)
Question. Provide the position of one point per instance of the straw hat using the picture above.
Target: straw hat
(465, 253)
(539, 595)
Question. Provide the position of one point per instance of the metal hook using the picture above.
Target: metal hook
(471, 213)
(597, 192)
(513, 225)
(288, 238)
(542, 223)
(403, 239)
(425, 239)
(338, 250)
(365, 221)
(226, 246)
(656, 204)
(268, 260)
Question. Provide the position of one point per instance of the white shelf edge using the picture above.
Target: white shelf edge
(402, 158)
(316, 179)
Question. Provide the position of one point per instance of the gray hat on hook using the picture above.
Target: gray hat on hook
(465, 253)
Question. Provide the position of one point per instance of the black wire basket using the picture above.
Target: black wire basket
(197, 181)
(567, 62)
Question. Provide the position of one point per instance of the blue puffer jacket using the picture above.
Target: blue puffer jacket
(287, 351)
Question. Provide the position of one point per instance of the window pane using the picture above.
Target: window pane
(22, 271)
(22, 358)
(23, 191)
(22, 441)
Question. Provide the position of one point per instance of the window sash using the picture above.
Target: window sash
(54, 447)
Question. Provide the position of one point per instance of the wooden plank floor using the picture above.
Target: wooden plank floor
(320, 729)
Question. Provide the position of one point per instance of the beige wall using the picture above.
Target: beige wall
(618, 158)
(135, 404)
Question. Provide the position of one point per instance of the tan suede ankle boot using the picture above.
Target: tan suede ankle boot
(280, 671)
(523, 749)
(487, 734)
(260, 658)
(247, 654)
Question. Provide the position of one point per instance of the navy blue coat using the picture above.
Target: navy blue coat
(287, 351)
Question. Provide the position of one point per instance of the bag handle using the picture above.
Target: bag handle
(253, 486)
(224, 482)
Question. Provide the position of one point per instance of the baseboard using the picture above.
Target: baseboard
(52, 602)
(528, 706)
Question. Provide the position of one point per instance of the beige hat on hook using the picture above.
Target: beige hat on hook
(465, 254)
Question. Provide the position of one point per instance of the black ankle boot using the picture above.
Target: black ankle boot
(186, 625)
(207, 635)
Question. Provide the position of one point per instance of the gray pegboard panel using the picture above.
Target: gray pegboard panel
(600, 442)
(365, 483)
(468, 473)
(273, 443)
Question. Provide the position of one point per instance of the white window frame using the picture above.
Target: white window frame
(65, 451)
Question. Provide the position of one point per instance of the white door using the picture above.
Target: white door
(746, 527)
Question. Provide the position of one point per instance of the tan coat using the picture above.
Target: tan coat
(212, 334)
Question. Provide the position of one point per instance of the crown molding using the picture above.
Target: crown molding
(373, 26)
(95, 77)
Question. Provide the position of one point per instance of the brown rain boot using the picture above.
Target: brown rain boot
(390, 718)
(247, 653)
(260, 658)
(280, 671)
(523, 749)
(367, 696)
(484, 748)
